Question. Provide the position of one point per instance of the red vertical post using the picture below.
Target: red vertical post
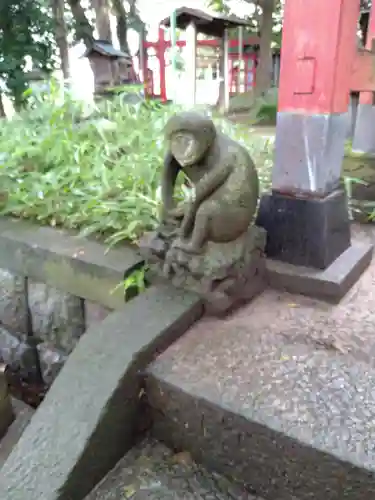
(306, 213)
(317, 53)
(364, 132)
(161, 56)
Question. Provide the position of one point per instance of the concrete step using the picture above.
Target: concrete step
(22, 417)
(152, 471)
(289, 417)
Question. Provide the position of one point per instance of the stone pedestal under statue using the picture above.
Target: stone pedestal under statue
(226, 275)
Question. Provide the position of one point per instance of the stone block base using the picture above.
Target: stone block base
(329, 284)
(364, 137)
(225, 275)
(305, 232)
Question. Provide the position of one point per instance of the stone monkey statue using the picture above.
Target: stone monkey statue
(224, 177)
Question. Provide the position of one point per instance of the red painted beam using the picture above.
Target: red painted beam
(204, 43)
(318, 48)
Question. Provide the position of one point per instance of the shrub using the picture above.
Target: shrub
(94, 168)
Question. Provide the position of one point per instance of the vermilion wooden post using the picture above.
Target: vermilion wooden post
(161, 56)
(364, 132)
(306, 213)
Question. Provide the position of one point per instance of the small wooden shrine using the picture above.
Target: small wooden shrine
(111, 67)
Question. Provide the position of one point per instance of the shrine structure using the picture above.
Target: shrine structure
(215, 28)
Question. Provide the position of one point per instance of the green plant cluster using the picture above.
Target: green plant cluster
(95, 168)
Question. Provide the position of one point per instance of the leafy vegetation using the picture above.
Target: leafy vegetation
(93, 168)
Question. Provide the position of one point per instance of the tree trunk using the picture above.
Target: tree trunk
(121, 24)
(2, 109)
(84, 29)
(102, 21)
(264, 69)
(61, 35)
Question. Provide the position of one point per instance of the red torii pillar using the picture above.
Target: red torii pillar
(364, 132)
(306, 214)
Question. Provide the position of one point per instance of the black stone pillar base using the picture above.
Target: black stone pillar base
(305, 232)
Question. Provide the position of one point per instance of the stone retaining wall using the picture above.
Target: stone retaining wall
(54, 319)
(58, 286)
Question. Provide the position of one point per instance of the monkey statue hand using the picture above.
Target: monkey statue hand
(179, 211)
(187, 223)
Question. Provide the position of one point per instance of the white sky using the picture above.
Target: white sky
(153, 11)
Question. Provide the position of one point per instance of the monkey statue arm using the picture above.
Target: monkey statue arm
(204, 188)
(211, 182)
(169, 176)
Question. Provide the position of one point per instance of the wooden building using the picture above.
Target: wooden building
(111, 67)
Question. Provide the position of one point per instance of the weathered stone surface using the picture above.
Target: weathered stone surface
(77, 265)
(255, 401)
(51, 362)
(224, 274)
(13, 305)
(329, 284)
(94, 313)
(363, 140)
(21, 358)
(88, 418)
(309, 152)
(17, 354)
(22, 417)
(151, 471)
(57, 317)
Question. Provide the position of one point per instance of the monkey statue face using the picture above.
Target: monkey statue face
(185, 148)
(189, 136)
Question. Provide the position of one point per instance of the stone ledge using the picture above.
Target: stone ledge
(23, 414)
(77, 265)
(330, 284)
(291, 421)
(88, 418)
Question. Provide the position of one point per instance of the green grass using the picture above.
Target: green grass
(95, 170)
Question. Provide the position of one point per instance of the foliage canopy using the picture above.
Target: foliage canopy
(25, 34)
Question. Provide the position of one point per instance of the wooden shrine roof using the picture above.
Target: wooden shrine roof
(105, 48)
(208, 24)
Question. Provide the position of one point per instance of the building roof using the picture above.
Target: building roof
(105, 48)
(208, 24)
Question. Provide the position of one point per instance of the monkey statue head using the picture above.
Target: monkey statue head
(189, 136)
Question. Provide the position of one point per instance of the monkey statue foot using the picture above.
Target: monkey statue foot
(187, 246)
